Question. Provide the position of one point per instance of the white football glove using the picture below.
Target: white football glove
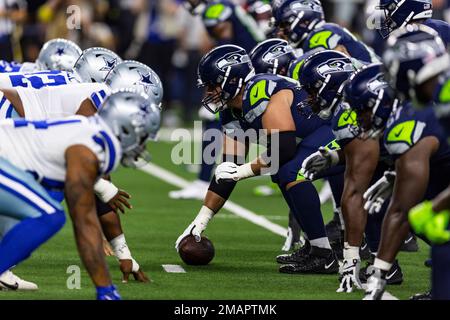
(229, 171)
(197, 226)
(379, 192)
(318, 162)
(350, 276)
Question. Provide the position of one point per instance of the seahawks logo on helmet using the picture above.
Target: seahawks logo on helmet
(376, 83)
(231, 59)
(276, 52)
(334, 66)
(306, 5)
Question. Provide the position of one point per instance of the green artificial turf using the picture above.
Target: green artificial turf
(244, 266)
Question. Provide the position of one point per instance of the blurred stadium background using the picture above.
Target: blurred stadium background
(159, 33)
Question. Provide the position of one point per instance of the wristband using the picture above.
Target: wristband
(204, 215)
(105, 190)
(245, 171)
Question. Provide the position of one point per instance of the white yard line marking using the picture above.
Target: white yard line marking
(238, 210)
(388, 296)
(173, 268)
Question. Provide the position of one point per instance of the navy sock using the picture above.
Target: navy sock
(306, 203)
(373, 227)
(337, 187)
(26, 236)
(207, 169)
(440, 272)
(291, 207)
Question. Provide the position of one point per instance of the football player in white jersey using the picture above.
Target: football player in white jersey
(84, 99)
(70, 153)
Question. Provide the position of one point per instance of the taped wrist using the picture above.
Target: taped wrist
(105, 190)
(223, 189)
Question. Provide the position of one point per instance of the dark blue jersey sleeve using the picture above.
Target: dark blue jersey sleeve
(406, 127)
(329, 36)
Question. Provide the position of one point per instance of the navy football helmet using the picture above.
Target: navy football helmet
(414, 55)
(369, 95)
(223, 71)
(272, 56)
(398, 13)
(297, 18)
(323, 76)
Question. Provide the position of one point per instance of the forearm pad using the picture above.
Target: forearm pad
(223, 189)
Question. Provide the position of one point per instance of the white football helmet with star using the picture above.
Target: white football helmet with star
(94, 64)
(137, 75)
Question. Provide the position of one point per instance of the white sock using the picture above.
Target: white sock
(351, 252)
(382, 265)
(321, 243)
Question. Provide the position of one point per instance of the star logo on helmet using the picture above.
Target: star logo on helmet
(145, 107)
(60, 51)
(109, 64)
(146, 81)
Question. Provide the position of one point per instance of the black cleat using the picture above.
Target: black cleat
(394, 276)
(410, 244)
(296, 256)
(421, 296)
(428, 263)
(333, 228)
(319, 261)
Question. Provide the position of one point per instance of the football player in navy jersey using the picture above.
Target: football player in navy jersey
(398, 14)
(268, 102)
(302, 22)
(226, 23)
(324, 75)
(418, 144)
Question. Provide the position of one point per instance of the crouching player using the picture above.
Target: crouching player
(70, 153)
(268, 102)
(418, 143)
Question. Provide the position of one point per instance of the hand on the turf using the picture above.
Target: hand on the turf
(318, 162)
(350, 276)
(119, 201)
(379, 192)
(227, 171)
(126, 267)
(107, 249)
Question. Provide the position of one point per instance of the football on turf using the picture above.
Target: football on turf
(196, 253)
